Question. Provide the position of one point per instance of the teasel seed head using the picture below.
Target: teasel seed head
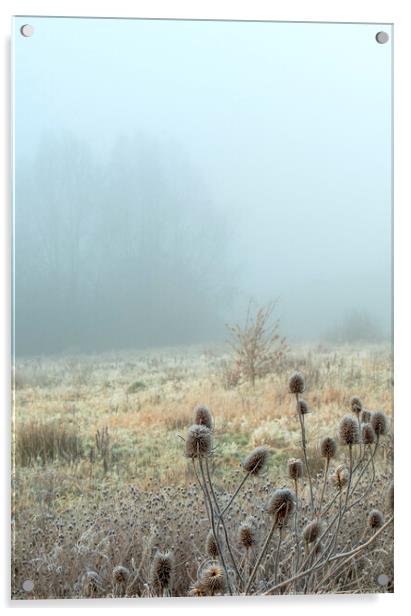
(365, 416)
(281, 504)
(341, 476)
(198, 441)
(375, 519)
(356, 405)
(295, 468)
(296, 384)
(303, 407)
(120, 575)
(390, 497)
(256, 460)
(328, 447)
(92, 583)
(162, 571)
(367, 434)
(312, 531)
(349, 433)
(247, 535)
(213, 581)
(211, 546)
(203, 417)
(379, 423)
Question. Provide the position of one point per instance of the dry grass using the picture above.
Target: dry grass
(73, 515)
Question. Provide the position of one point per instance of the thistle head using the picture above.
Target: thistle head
(281, 504)
(296, 383)
(211, 546)
(379, 423)
(367, 434)
(375, 519)
(162, 571)
(356, 405)
(349, 433)
(312, 531)
(256, 460)
(295, 468)
(328, 447)
(198, 441)
(203, 417)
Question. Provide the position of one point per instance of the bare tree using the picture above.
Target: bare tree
(258, 346)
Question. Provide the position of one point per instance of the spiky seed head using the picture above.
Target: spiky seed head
(349, 432)
(367, 434)
(296, 384)
(356, 405)
(203, 417)
(379, 423)
(197, 591)
(211, 546)
(341, 476)
(281, 504)
(328, 447)
(213, 581)
(365, 416)
(198, 441)
(375, 519)
(162, 571)
(247, 535)
(303, 407)
(312, 531)
(390, 497)
(256, 460)
(295, 468)
(120, 574)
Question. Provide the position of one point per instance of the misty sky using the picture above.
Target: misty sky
(272, 142)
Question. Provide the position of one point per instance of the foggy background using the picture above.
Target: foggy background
(167, 171)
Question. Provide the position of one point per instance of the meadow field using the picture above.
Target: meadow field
(109, 500)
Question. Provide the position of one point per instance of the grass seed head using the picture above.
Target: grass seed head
(198, 441)
(256, 460)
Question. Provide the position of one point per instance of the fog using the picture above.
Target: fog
(166, 173)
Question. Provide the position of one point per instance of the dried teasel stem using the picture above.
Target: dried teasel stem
(304, 447)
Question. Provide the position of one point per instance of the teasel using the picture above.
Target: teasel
(247, 535)
(365, 416)
(296, 383)
(198, 441)
(375, 519)
(281, 505)
(203, 417)
(211, 546)
(349, 431)
(295, 468)
(368, 435)
(255, 462)
(92, 584)
(341, 476)
(302, 407)
(379, 423)
(328, 447)
(213, 581)
(356, 405)
(162, 572)
(120, 575)
(312, 531)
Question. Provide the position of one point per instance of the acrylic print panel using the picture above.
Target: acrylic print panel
(202, 308)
